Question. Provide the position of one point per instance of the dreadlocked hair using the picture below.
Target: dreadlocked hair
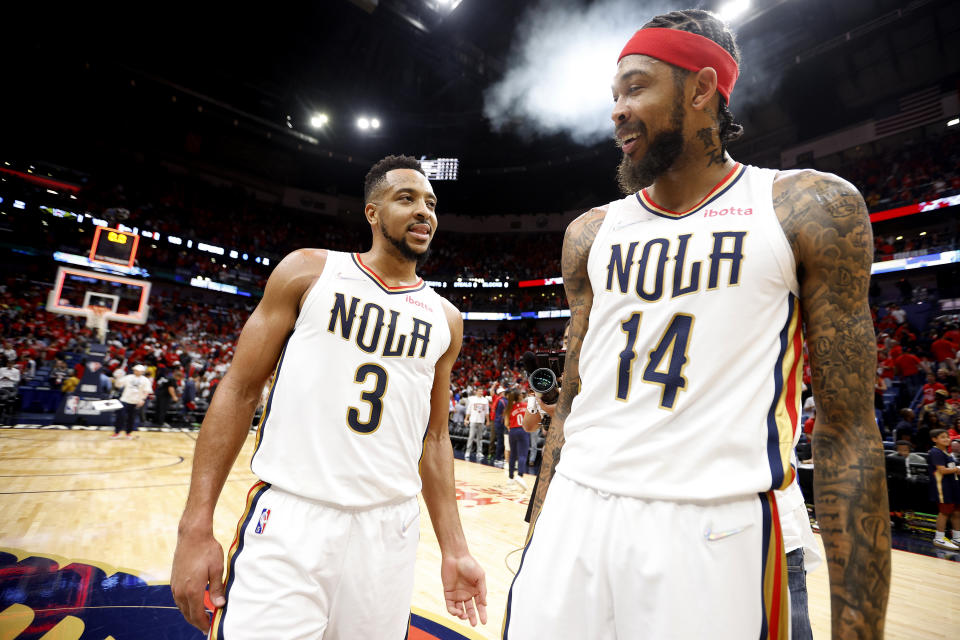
(706, 24)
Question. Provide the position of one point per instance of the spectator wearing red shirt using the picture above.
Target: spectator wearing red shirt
(907, 365)
(952, 334)
(930, 388)
(886, 367)
(955, 429)
(954, 398)
(809, 422)
(904, 335)
(943, 349)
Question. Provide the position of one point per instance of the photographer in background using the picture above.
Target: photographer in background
(540, 409)
(537, 418)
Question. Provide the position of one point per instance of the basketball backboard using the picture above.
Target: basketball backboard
(76, 290)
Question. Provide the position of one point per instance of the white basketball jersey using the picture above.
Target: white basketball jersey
(350, 403)
(690, 368)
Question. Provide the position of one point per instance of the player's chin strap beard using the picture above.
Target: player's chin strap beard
(404, 249)
(663, 150)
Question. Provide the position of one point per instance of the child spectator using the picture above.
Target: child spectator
(944, 489)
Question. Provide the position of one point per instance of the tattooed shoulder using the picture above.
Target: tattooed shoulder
(581, 233)
(588, 222)
(815, 207)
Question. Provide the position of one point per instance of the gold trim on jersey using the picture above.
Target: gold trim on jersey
(370, 273)
(786, 407)
(722, 187)
(257, 490)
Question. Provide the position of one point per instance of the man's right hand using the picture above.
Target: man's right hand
(197, 562)
(548, 409)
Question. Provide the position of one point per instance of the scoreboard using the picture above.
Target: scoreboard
(440, 168)
(112, 246)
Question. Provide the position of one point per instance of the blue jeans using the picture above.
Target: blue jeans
(519, 448)
(797, 581)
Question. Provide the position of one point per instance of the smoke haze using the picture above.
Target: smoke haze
(561, 65)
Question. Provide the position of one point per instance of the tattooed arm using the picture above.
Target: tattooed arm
(826, 222)
(573, 262)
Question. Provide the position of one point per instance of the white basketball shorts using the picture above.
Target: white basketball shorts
(300, 569)
(603, 567)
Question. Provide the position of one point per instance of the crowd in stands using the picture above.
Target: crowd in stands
(196, 332)
(233, 218)
(918, 385)
(194, 336)
(921, 171)
(916, 242)
(494, 360)
(198, 336)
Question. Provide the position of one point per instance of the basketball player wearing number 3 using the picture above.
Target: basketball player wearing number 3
(354, 427)
(681, 389)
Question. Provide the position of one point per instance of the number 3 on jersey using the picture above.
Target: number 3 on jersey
(672, 345)
(373, 397)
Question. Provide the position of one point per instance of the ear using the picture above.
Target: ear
(370, 212)
(705, 87)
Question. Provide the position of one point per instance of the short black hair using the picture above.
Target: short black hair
(379, 171)
(936, 432)
(706, 24)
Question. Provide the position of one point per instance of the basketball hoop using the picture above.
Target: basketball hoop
(97, 320)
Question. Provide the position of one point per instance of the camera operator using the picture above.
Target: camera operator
(540, 410)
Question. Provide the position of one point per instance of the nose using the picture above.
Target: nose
(620, 112)
(423, 212)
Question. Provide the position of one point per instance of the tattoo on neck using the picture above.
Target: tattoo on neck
(714, 154)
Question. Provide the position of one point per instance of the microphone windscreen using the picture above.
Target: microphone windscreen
(529, 362)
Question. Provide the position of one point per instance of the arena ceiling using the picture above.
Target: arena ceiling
(236, 89)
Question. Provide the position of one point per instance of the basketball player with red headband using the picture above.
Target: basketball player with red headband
(689, 299)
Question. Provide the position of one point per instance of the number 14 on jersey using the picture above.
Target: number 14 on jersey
(672, 347)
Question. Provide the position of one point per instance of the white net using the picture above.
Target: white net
(97, 320)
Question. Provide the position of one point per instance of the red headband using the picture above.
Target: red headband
(688, 51)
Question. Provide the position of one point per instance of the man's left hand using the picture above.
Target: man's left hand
(464, 588)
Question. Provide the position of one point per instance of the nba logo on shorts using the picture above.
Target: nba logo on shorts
(262, 524)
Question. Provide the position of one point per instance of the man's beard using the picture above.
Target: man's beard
(405, 250)
(662, 153)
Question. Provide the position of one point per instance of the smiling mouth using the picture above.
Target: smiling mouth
(629, 143)
(420, 230)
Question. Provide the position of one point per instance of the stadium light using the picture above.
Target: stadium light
(374, 123)
(733, 9)
(317, 120)
(363, 123)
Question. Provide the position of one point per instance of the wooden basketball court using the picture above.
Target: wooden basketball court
(79, 496)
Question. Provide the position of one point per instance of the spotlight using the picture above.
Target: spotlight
(733, 9)
(374, 123)
(318, 120)
(363, 123)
